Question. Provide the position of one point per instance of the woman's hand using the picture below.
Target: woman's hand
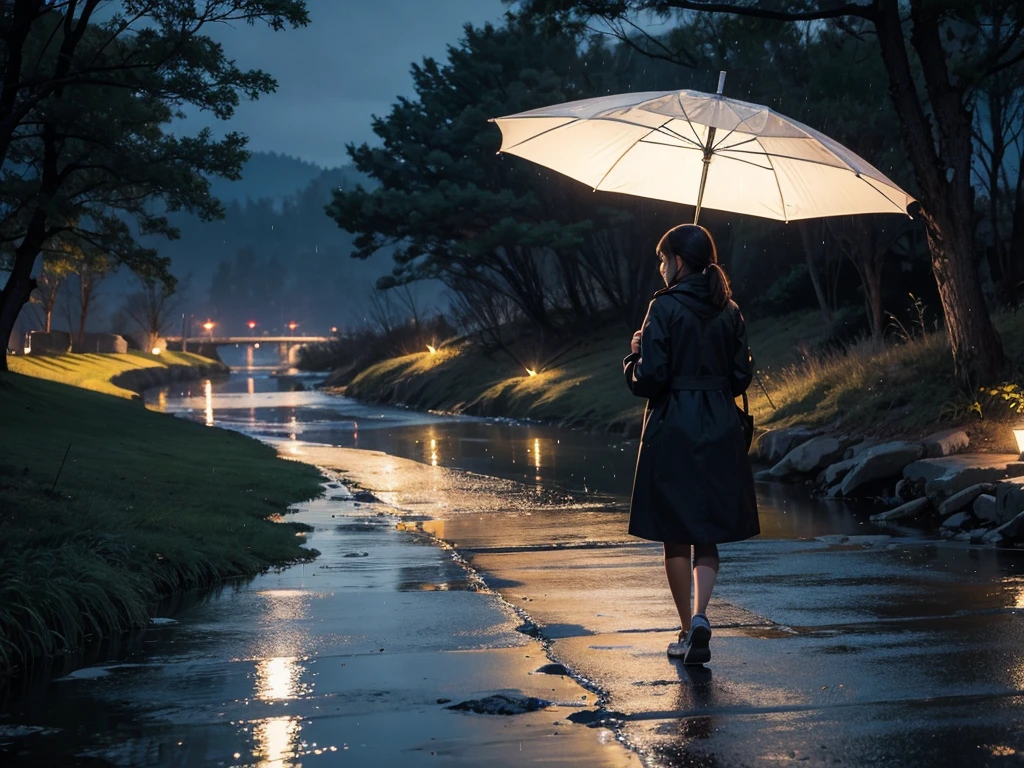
(635, 343)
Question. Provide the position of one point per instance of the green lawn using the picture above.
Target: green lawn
(96, 371)
(145, 505)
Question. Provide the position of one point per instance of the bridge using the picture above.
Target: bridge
(287, 345)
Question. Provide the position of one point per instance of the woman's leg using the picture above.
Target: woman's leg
(677, 568)
(705, 571)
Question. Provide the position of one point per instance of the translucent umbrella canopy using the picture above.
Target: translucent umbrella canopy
(654, 144)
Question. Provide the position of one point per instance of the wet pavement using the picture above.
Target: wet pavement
(496, 550)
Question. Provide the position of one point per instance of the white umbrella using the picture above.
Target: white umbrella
(703, 150)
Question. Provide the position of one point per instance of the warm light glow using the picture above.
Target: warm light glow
(292, 326)
(250, 385)
(256, 345)
(277, 678)
(531, 371)
(276, 739)
(536, 453)
(251, 324)
(1019, 435)
(334, 329)
(208, 325)
(208, 391)
(433, 452)
(433, 350)
(157, 350)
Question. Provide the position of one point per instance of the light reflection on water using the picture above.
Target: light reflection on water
(542, 458)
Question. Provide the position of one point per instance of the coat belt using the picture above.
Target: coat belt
(699, 383)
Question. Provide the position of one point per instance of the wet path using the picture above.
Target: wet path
(836, 641)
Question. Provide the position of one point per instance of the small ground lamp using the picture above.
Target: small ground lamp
(531, 371)
(156, 350)
(432, 349)
(1018, 434)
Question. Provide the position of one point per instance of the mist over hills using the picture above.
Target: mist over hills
(276, 257)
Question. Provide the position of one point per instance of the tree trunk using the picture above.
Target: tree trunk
(1016, 249)
(15, 295)
(808, 241)
(944, 178)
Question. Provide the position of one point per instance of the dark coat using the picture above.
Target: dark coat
(693, 481)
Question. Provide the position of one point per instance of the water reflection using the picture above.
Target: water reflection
(276, 741)
(277, 678)
(208, 392)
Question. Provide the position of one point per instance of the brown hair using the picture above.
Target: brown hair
(695, 246)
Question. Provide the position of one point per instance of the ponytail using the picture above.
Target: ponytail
(721, 291)
(695, 246)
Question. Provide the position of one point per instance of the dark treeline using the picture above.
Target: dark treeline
(523, 249)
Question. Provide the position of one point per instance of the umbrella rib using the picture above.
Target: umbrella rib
(686, 117)
(867, 180)
(782, 198)
(731, 159)
(537, 135)
(628, 150)
(663, 128)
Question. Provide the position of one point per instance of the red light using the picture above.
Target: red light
(251, 324)
(293, 326)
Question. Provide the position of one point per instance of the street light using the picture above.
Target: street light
(251, 324)
(292, 326)
(208, 325)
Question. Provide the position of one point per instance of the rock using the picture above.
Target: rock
(1012, 530)
(957, 521)
(764, 476)
(978, 535)
(366, 497)
(880, 463)
(856, 451)
(502, 704)
(946, 443)
(776, 443)
(964, 498)
(985, 508)
(1009, 499)
(863, 540)
(910, 509)
(809, 457)
(596, 717)
(835, 472)
(947, 476)
(553, 669)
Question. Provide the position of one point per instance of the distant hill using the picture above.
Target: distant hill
(267, 175)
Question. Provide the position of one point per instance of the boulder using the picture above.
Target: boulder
(835, 472)
(985, 508)
(1012, 530)
(910, 509)
(1009, 500)
(763, 476)
(946, 443)
(880, 463)
(942, 478)
(964, 498)
(957, 521)
(773, 445)
(977, 535)
(809, 457)
(855, 451)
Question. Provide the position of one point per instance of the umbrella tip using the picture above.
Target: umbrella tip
(721, 82)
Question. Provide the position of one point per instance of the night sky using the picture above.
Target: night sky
(347, 65)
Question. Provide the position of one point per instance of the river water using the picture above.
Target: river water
(836, 640)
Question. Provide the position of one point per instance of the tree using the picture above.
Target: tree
(57, 267)
(451, 209)
(152, 308)
(935, 116)
(84, 106)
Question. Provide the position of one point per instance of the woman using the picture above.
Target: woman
(693, 486)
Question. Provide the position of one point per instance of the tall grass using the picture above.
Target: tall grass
(146, 505)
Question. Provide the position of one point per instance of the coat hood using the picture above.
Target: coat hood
(695, 292)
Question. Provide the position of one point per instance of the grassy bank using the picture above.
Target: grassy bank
(146, 504)
(99, 372)
(905, 389)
